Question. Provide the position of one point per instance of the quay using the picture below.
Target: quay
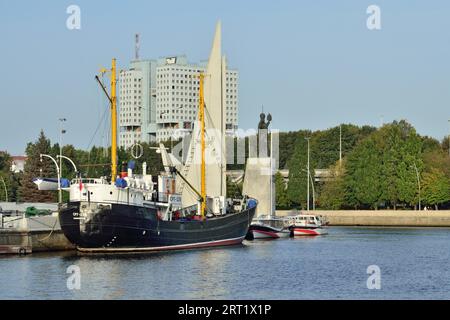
(382, 218)
(22, 234)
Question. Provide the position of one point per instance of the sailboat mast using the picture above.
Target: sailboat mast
(202, 141)
(113, 122)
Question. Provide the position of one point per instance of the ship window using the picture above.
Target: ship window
(92, 193)
(110, 192)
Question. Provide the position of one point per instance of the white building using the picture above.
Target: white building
(159, 99)
(130, 107)
(18, 163)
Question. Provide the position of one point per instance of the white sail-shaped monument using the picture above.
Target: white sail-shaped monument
(215, 152)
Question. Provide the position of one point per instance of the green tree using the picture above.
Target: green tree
(445, 144)
(5, 164)
(297, 186)
(436, 178)
(233, 189)
(5, 161)
(11, 179)
(35, 168)
(401, 147)
(363, 180)
(382, 168)
(332, 195)
(150, 156)
(435, 187)
(282, 201)
(5, 186)
(325, 144)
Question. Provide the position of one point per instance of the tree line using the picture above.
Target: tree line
(381, 168)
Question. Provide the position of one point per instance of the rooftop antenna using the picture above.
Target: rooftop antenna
(136, 46)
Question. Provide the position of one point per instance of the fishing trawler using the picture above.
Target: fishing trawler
(184, 207)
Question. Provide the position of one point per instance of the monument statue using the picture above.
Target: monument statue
(262, 121)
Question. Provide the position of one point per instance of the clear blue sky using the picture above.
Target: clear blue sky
(312, 64)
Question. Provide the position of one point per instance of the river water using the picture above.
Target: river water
(413, 264)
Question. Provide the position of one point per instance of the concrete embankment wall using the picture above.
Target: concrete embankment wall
(31, 234)
(392, 218)
(36, 241)
(22, 206)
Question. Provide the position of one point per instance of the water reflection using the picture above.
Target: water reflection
(412, 261)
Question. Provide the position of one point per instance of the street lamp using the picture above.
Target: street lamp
(61, 132)
(418, 183)
(307, 177)
(70, 160)
(314, 192)
(77, 173)
(57, 173)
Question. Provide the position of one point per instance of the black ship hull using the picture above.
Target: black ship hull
(118, 227)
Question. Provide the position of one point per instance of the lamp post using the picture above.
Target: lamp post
(61, 132)
(418, 183)
(77, 173)
(314, 192)
(57, 173)
(307, 177)
(70, 160)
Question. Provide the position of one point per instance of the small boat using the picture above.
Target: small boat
(261, 231)
(268, 228)
(307, 225)
(50, 184)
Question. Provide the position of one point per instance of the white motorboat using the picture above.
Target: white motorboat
(268, 227)
(307, 225)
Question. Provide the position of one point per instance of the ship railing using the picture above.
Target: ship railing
(89, 181)
(184, 212)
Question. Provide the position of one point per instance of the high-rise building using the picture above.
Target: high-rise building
(137, 96)
(159, 99)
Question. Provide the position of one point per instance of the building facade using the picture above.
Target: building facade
(136, 88)
(158, 99)
(18, 163)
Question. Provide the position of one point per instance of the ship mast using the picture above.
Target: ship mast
(113, 100)
(113, 122)
(202, 141)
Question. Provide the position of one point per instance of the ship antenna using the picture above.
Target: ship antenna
(136, 46)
